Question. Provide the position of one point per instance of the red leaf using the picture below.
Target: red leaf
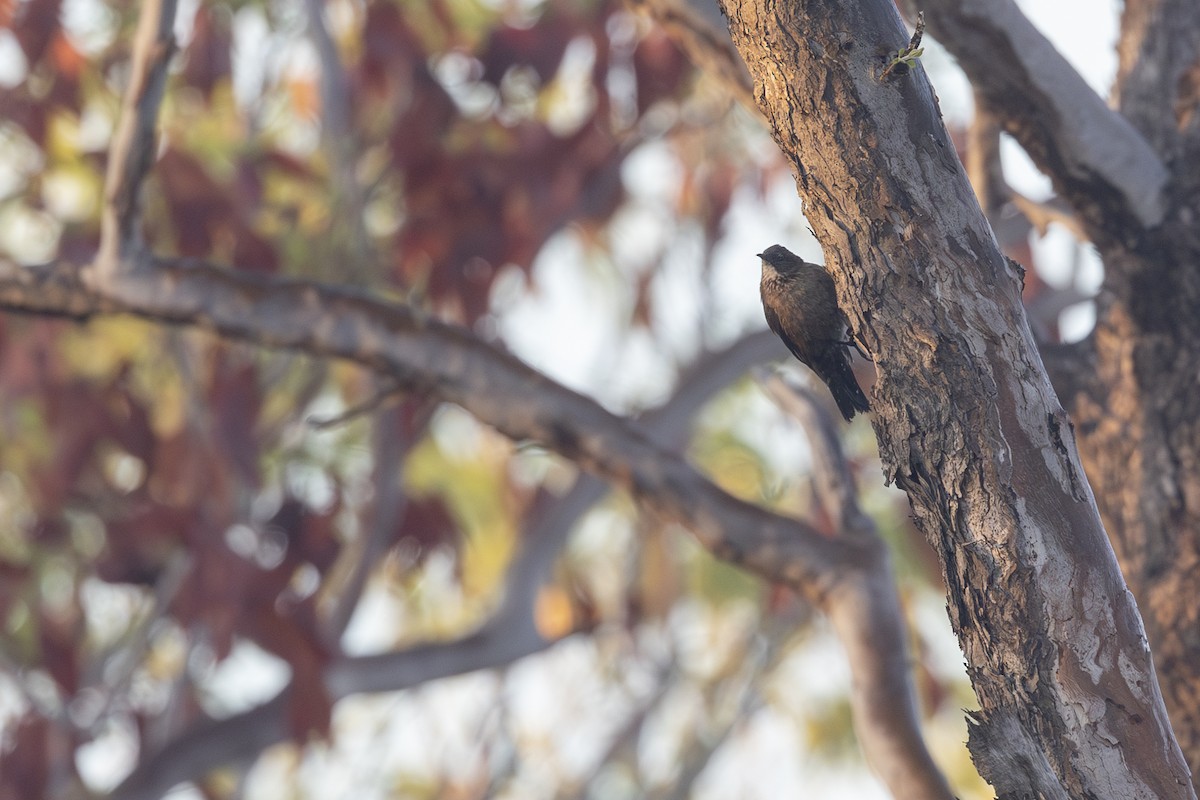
(24, 762)
(390, 49)
(187, 475)
(78, 423)
(68, 61)
(311, 536)
(139, 542)
(236, 398)
(198, 206)
(309, 706)
(253, 253)
(37, 24)
(540, 47)
(29, 115)
(207, 60)
(429, 522)
(216, 591)
(8, 8)
(131, 426)
(58, 637)
(661, 69)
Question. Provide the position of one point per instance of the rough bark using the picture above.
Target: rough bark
(1158, 80)
(1141, 440)
(1137, 411)
(967, 422)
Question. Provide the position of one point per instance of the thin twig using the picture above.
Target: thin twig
(427, 355)
(391, 447)
(1099, 161)
(341, 142)
(115, 669)
(390, 389)
(508, 635)
(132, 150)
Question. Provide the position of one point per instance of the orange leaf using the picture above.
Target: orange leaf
(65, 57)
(306, 100)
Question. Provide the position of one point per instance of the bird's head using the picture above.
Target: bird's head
(781, 259)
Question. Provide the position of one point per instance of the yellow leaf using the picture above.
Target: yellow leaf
(553, 613)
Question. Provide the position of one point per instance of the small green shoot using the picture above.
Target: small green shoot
(907, 56)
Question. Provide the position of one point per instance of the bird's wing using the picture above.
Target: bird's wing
(777, 328)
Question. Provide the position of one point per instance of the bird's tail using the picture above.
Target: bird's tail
(839, 377)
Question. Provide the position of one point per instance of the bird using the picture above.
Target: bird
(801, 307)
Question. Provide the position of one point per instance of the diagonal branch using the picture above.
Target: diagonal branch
(510, 633)
(391, 445)
(132, 150)
(1096, 158)
(425, 354)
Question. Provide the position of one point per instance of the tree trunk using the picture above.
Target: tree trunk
(1131, 388)
(967, 422)
(1140, 424)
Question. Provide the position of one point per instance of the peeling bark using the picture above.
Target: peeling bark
(1132, 393)
(967, 422)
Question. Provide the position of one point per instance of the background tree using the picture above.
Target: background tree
(431, 153)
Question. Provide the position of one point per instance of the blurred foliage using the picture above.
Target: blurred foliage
(167, 503)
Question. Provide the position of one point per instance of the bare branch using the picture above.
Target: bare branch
(378, 398)
(509, 634)
(1011, 214)
(340, 141)
(831, 472)
(114, 669)
(391, 446)
(864, 608)
(427, 355)
(983, 158)
(132, 150)
(1041, 214)
(1096, 158)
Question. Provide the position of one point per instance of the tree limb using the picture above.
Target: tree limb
(132, 149)
(391, 446)
(340, 141)
(1096, 158)
(707, 47)
(425, 354)
(510, 633)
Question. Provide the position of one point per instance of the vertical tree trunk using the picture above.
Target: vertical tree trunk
(1140, 422)
(1132, 182)
(967, 422)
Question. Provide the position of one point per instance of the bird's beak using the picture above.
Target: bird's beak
(760, 255)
